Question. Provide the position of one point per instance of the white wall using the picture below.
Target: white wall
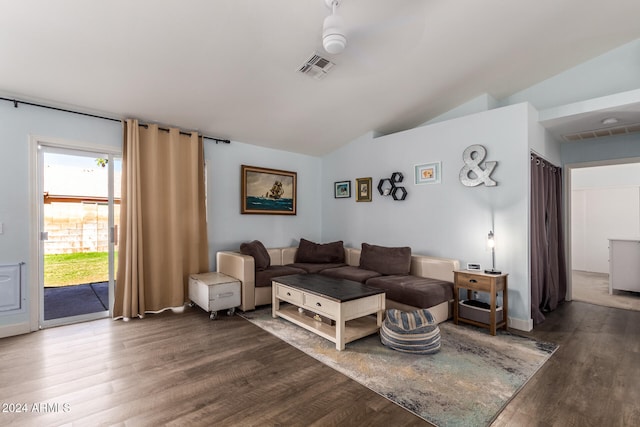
(227, 228)
(613, 72)
(446, 219)
(600, 149)
(610, 176)
(16, 125)
(605, 203)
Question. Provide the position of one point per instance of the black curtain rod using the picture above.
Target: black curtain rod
(217, 140)
(534, 153)
(16, 102)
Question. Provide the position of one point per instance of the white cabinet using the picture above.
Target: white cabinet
(624, 265)
(214, 291)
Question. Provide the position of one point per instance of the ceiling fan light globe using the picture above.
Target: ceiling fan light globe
(334, 43)
(334, 39)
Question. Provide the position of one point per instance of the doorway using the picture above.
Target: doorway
(78, 212)
(604, 204)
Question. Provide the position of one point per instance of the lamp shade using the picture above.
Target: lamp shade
(491, 242)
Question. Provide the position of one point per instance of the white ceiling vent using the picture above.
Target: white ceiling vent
(598, 133)
(316, 66)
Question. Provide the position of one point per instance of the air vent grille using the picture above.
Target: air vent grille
(598, 133)
(316, 66)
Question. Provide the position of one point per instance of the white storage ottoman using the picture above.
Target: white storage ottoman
(214, 291)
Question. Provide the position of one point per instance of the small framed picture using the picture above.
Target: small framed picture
(427, 173)
(363, 189)
(342, 190)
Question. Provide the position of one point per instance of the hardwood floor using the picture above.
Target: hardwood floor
(593, 288)
(593, 379)
(183, 369)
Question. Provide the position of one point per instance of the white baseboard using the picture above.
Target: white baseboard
(521, 325)
(17, 329)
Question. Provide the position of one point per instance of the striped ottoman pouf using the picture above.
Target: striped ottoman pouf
(411, 332)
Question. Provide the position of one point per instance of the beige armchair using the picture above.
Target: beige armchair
(242, 267)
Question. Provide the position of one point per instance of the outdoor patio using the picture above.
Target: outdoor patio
(66, 301)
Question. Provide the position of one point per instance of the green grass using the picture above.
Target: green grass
(76, 269)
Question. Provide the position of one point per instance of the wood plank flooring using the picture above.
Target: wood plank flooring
(593, 288)
(594, 377)
(183, 369)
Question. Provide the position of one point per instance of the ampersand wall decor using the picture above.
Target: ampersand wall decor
(471, 173)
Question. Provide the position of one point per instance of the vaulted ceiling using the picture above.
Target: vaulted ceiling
(228, 68)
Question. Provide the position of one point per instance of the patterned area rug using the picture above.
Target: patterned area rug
(467, 383)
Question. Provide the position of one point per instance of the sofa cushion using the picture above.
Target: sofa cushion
(264, 277)
(350, 273)
(310, 252)
(415, 291)
(385, 260)
(313, 268)
(259, 253)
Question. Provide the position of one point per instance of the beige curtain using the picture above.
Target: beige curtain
(163, 229)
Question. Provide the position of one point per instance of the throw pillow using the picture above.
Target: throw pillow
(385, 260)
(259, 253)
(320, 253)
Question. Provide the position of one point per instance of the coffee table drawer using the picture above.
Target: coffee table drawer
(293, 296)
(321, 305)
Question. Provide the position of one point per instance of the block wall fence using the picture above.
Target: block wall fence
(77, 227)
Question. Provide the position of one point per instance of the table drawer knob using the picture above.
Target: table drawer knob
(473, 281)
(318, 304)
(288, 294)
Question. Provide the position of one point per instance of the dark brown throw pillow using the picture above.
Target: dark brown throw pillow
(259, 253)
(385, 260)
(320, 253)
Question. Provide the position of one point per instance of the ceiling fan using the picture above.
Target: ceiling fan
(334, 38)
(385, 25)
(375, 32)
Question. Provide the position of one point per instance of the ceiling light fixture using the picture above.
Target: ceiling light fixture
(610, 121)
(334, 39)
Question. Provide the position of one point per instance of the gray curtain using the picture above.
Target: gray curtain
(548, 266)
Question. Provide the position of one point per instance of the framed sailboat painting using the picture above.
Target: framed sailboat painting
(268, 191)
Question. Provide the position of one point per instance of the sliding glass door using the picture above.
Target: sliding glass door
(79, 213)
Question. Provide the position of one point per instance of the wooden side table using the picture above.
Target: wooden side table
(481, 282)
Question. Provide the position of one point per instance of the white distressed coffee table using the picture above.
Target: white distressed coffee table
(348, 303)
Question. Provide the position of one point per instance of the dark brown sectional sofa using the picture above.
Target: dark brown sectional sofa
(410, 281)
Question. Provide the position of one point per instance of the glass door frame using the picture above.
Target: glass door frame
(38, 147)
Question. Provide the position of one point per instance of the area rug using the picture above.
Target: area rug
(467, 383)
